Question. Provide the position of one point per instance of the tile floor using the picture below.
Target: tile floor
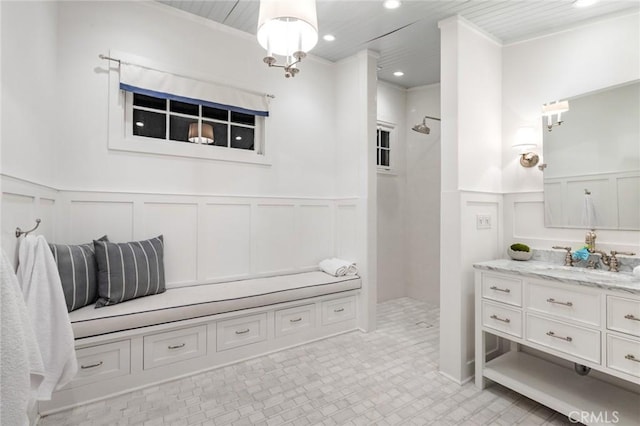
(387, 377)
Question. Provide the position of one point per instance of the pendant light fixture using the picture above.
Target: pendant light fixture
(287, 28)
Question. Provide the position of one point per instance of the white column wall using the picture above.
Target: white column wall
(471, 180)
(423, 195)
(558, 66)
(392, 201)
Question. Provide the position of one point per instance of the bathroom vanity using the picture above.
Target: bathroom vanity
(553, 318)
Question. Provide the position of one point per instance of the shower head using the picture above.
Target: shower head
(422, 127)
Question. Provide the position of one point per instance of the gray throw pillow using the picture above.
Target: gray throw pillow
(78, 273)
(129, 270)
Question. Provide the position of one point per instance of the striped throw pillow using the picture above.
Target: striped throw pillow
(129, 270)
(78, 273)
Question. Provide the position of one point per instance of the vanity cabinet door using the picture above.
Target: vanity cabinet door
(573, 340)
(623, 355)
(502, 318)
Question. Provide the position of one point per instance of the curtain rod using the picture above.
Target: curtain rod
(120, 61)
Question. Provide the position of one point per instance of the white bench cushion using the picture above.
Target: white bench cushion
(183, 303)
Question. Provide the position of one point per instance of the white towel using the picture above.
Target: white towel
(338, 267)
(43, 295)
(21, 368)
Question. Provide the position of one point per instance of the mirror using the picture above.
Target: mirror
(597, 150)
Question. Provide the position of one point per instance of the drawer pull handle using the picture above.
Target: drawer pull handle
(504, 290)
(85, 367)
(495, 317)
(338, 310)
(559, 303)
(631, 358)
(552, 334)
(631, 317)
(176, 346)
(296, 319)
(242, 331)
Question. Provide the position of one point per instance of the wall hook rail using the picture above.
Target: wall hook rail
(25, 233)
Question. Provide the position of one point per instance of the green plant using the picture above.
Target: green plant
(520, 247)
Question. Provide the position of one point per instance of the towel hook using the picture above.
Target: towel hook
(21, 232)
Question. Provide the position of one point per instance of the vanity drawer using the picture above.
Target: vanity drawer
(623, 315)
(173, 346)
(502, 289)
(241, 331)
(295, 320)
(623, 355)
(563, 302)
(338, 310)
(502, 318)
(570, 339)
(97, 363)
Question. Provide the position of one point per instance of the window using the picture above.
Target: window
(176, 121)
(383, 147)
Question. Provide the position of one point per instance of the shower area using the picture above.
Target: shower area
(408, 238)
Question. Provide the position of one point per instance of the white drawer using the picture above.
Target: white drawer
(295, 320)
(241, 331)
(338, 310)
(97, 363)
(501, 289)
(562, 302)
(623, 315)
(173, 346)
(573, 340)
(623, 355)
(502, 318)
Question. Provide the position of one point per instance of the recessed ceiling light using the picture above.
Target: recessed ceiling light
(584, 3)
(139, 124)
(398, 73)
(238, 138)
(329, 37)
(391, 4)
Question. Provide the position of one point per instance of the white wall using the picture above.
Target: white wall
(423, 195)
(29, 98)
(559, 66)
(471, 172)
(392, 202)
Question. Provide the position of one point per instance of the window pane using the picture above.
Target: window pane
(149, 102)
(378, 160)
(215, 113)
(384, 139)
(384, 158)
(183, 108)
(219, 133)
(241, 137)
(149, 124)
(238, 117)
(179, 128)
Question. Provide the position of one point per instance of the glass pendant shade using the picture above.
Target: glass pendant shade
(287, 26)
(205, 138)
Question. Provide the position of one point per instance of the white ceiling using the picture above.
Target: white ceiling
(408, 38)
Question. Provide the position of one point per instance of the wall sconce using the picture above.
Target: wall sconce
(287, 28)
(523, 145)
(551, 109)
(205, 137)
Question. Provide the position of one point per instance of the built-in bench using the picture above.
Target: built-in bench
(186, 330)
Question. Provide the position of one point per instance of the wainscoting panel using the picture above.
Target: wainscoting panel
(178, 223)
(225, 241)
(274, 241)
(628, 202)
(88, 220)
(314, 237)
(347, 231)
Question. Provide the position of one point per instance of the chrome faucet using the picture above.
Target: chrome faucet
(568, 259)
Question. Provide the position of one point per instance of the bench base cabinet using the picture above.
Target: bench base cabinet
(121, 362)
(573, 324)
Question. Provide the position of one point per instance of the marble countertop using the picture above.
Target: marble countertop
(621, 281)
